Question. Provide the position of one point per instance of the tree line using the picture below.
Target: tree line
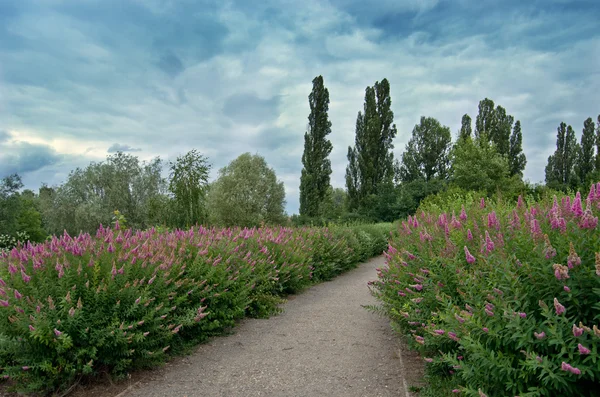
(574, 165)
(123, 188)
(486, 157)
(381, 188)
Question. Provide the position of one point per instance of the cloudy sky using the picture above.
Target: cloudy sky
(80, 79)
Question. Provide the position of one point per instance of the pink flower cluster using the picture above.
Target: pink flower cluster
(515, 245)
(566, 367)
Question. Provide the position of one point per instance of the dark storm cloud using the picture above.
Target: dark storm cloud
(23, 157)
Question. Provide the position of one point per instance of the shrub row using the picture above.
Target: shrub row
(501, 300)
(86, 305)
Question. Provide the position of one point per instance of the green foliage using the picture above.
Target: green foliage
(427, 154)
(410, 194)
(584, 166)
(598, 147)
(495, 126)
(20, 218)
(333, 210)
(119, 220)
(90, 196)
(188, 182)
(485, 123)
(314, 181)
(449, 200)
(29, 219)
(500, 135)
(500, 299)
(516, 157)
(9, 203)
(83, 306)
(9, 242)
(334, 205)
(560, 170)
(383, 206)
(371, 161)
(247, 193)
(476, 165)
(466, 130)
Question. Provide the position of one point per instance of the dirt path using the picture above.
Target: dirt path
(324, 344)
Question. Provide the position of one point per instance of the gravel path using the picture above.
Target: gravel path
(324, 344)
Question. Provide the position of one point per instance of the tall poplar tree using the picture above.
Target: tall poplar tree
(371, 161)
(495, 125)
(598, 145)
(560, 170)
(555, 167)
(516, 157)
(465, 128)
(500, 133)
(315, 178)
(486, 119)
(570, 158)
(352, 170)
(585, 158)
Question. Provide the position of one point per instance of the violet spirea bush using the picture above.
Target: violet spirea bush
(122, 299)
(501, 300)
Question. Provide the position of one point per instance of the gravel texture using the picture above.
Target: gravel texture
(325, 343)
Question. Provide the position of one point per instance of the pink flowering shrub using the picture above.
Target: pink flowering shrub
(509, 297)
(81, 306)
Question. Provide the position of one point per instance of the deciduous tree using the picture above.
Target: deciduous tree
(426, 156)
(316, 171)
(465, 128)
(586, 156)
(476, 165)
(516, 157)
(500, 134)
(485, 123)
(598, 146)
(90, 195)
(247, 193)
(9, 203)
(187, 182)
(560, 170)
(371, 161)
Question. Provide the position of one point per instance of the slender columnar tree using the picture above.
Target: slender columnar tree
(560, 170)
(465, 128)
(586, 158)
(371, 161)
(315, 178)
(353, 173)
(486, 119)
(516, 157)
(495, 125)
(571, 150)
(500, 134)
(598, 145)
